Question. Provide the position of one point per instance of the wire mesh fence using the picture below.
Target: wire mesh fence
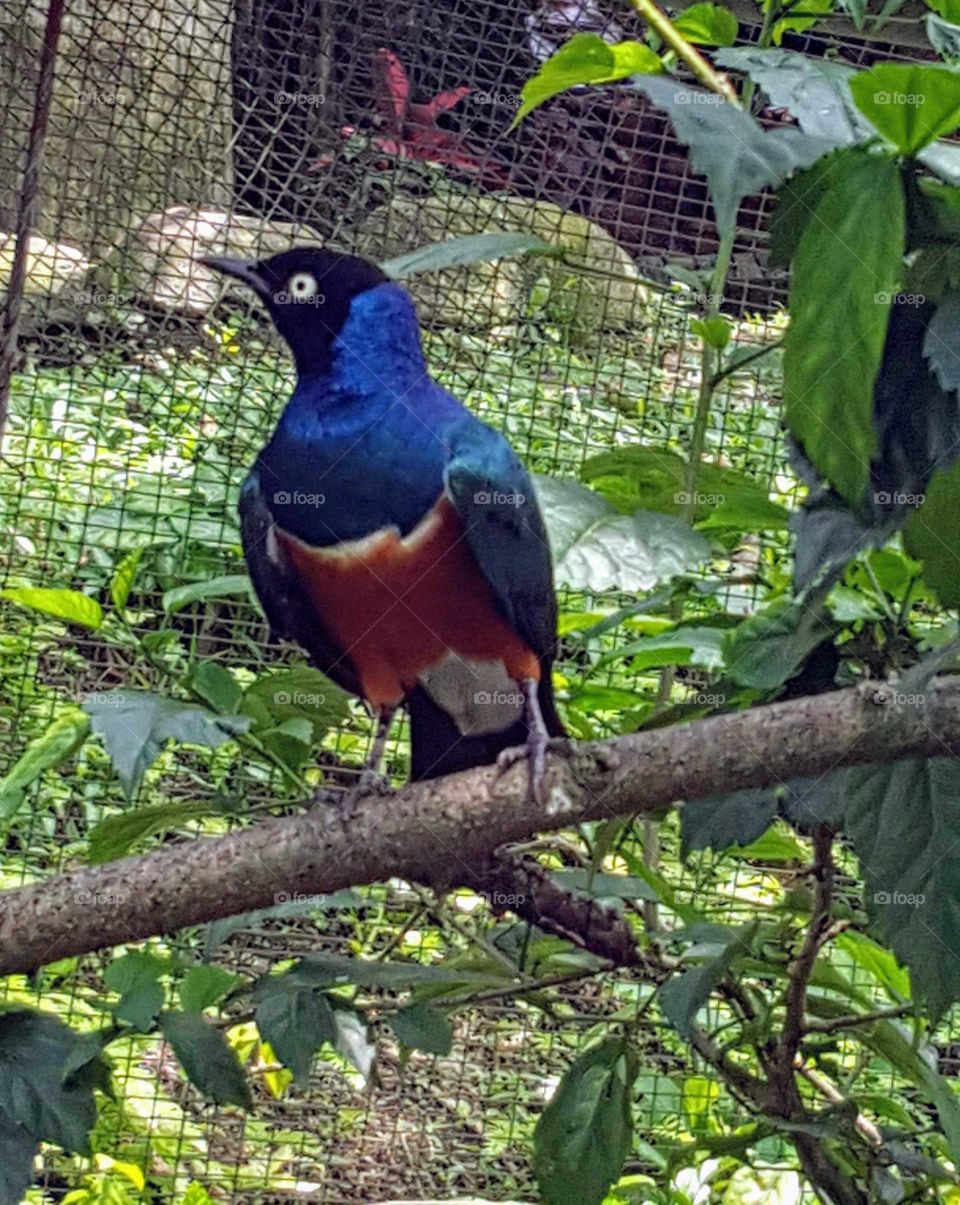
(141, 395)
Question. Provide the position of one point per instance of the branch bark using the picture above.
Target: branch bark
(441, 832)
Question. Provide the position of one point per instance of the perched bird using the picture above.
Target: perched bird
(392, 534)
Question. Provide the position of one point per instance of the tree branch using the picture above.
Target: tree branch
(441, 832)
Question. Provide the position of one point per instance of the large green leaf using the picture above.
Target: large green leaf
(644, 478)
(737, 818)
(816, 91)
(34, 1048)
(932, 535)
(423, 1027)
(462, 252)
(135, 977)
(903, 820)
(299, 693)
(17, 1150)
(230, 586)
(59, 741)
(206, 1057)
(68, 605)
(729, 147)
(769, 647)
(683, 995)
(584, 1135)
(585, 59)
(909, 103)
(707, 25)
(597, 548)
(203, 986)
(123, 578)
(687, 645)
(844, 275)
(114, 836)
(296, 1020)
(135, 724)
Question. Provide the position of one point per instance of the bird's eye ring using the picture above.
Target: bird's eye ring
(302, 286)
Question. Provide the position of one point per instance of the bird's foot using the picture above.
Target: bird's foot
(345, 803)
(534, 752)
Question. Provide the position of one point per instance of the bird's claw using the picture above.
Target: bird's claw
(534, 752)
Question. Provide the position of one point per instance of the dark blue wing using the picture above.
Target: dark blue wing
(494, 497)
(284, 602)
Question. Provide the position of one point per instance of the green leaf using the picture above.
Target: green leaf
(689, 645)
(795, 204)
(714, 331)
(596, 548)
(206, 1058)
(584, 1134)
(948, 9)
(298, 693)
(123, 578)
(707, 25)
(296, 1020)
(601, 886)
(746, 515)
(116, 835)
(218, 931)
(203, 986)
(69, 605)
(844, 275)
(17, 1150)
(909, 103)
(216, 686)
(729, 147)
(931, 535)
(467, 250)
(903, 820)
(737, 818)
(685, 993)
(212, 587)
(769, 647)
(877, 961)
(134, 976)
(944, 37)
(585, 59)
(423, 1027)
(325, 970)
(34, 1048)
(816, 91)
(135, 724)
(58, 742)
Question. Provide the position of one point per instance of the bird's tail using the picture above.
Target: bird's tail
(437, 746)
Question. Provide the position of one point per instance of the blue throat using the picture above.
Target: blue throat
(362, 429)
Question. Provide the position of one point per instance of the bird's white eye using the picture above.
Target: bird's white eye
(302, 286)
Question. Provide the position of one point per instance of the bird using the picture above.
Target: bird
(391, 533)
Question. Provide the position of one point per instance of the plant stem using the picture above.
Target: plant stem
(658, 20)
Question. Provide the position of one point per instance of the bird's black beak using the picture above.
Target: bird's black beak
(243, 270)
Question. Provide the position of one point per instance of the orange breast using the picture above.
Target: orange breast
(398, 606)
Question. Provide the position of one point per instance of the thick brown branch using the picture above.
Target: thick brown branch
(441, 832)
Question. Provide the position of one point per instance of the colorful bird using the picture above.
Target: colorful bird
(392, 534)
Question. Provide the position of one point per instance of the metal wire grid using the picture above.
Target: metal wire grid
(85, 385)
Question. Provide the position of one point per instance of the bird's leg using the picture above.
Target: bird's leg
(371, 780)
(534, 752)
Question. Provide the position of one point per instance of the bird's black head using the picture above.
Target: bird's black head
(308, 291)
